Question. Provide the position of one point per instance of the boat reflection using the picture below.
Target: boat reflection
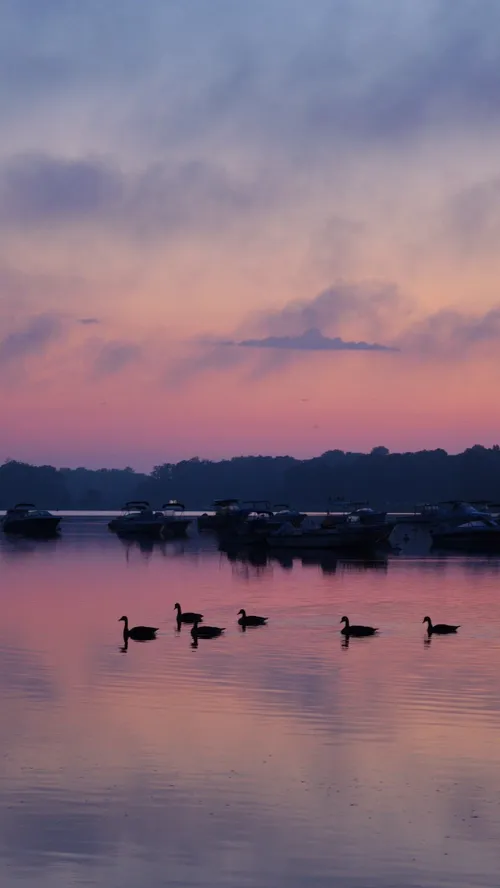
(147, 547)
(21, 546)
(257, 562)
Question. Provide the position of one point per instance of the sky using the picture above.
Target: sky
(232, 228)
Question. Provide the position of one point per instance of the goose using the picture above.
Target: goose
(138, 633)
(356, 631)
(205, 631)
(249, 620)
(187, 616)
(439, 628)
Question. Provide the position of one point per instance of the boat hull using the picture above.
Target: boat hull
(338, 538)
(33, 527)
(481, 541)
(152, 530)
(216, 522)
(175, 530)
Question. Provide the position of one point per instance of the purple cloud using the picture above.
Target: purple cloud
(36, 188)
(158, 199)
(451, 333)
(312, 340)
(34, 337)
(114, 356)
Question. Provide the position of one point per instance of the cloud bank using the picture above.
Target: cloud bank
(158, 199)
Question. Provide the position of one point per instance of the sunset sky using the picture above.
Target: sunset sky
(238, 227)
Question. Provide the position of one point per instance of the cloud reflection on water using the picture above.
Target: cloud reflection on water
(270, 757)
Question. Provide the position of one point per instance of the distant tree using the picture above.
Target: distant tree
(399, 480)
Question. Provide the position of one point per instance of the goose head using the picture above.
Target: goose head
(242, 612)
(177, 606)
(345, 620)
(125, 620)
(427, 620)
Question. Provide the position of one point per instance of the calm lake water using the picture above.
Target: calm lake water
(274, 757)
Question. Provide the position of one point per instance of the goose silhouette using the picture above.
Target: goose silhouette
(250, 619)
(205, 631)
(187, 616)
(351, 631)
(439, 628)
(138, 633)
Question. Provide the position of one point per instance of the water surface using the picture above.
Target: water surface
(272, 757)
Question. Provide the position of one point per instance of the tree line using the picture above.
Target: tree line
(386, 480)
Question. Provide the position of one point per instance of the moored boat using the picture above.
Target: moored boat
(229, 513)
(25, 519)
(139, 519)
(175, 522)
(282, 513)
(481, 535)
(224, 512)
(351, 535)
(448, 512)
(359, 511)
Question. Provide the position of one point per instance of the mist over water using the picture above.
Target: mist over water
(277, 756)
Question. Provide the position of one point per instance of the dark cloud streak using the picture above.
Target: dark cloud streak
(311, 340)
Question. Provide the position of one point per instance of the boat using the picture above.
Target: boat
(139, 519)
(351, 535)
(449, 512)
(228, 513)
(283, 512)
(26, 519)
(175, 522)
(267, 521)
(481, 535)
(255, 527)
(224, 511)
(361, 511)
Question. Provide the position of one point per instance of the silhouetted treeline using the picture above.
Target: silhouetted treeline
(388, 480)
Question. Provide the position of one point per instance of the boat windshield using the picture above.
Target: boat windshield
(173, 506)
